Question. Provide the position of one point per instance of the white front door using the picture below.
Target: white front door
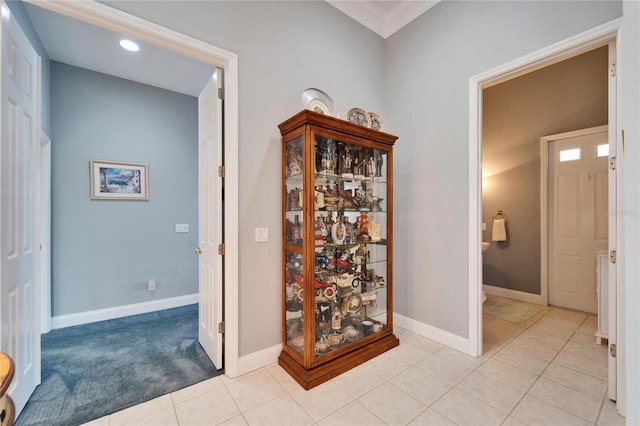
(578, 219)
(19, 236)
(210, 218)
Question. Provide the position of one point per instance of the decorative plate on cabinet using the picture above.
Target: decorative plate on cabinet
(359, 116)
(376, 121)
(318, 101)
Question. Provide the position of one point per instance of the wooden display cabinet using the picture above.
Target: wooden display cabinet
(337, 185)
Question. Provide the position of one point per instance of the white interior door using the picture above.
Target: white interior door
(614, 205)
(578, 220)
(19, 180)
(210, 219)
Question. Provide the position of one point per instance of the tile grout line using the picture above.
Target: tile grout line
(478, 366)
(236, 402)
(543, 371)
(537, 378)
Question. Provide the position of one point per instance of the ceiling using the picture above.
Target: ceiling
(383, 17)
(87, 46)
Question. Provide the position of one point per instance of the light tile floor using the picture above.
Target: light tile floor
(545, 371)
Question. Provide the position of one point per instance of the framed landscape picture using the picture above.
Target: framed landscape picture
(112, 180)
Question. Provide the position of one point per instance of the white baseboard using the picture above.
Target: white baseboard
(270, 355)
(62, 321)
(454, 341)
(513, 294)
(259, 359)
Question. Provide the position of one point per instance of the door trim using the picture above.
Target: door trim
(580, 43)
(45, 234)
(106, 17)
(544, 200)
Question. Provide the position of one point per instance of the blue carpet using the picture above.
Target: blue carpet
(92, 370)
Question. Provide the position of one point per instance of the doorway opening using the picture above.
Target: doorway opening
(605, 35)
(112, 19)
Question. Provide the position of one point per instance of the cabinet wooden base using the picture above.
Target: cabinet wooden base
(313, 377)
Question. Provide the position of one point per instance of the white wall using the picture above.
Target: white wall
(283, 48)
(429, 64)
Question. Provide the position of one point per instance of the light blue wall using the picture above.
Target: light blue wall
(427, 69)
(104, 251)
(283, 47)
(18, 10)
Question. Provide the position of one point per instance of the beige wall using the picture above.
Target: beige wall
(567, 96)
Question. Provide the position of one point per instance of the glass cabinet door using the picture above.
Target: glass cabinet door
(294, 193)
(294, 237)
(294, 298)
(350, 243)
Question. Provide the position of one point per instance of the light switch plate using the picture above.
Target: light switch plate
(182, 227)
(484, 226)
(262, 235)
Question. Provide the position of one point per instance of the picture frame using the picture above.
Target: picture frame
(119, 180)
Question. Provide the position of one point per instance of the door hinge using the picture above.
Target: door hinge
(612, 350)
(612, 70)
(221, 249)
(613, 257)
(221, 327)
(612, 163)
(221, 171)
(221, 93)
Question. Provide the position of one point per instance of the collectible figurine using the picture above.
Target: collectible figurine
(347, 161)
(379, 163)
(326, 165)
(294, 160)
(359, 168)
(364, 227)
(319, 197)
(372, 167)
(374, 229)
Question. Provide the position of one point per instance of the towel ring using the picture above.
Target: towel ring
(500, 213)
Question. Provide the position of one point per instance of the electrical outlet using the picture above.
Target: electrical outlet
(151, 285)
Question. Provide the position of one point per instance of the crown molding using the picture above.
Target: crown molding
(384, 23)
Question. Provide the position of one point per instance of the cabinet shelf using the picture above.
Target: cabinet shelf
(337, 233)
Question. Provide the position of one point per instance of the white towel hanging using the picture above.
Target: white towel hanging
(499, 231)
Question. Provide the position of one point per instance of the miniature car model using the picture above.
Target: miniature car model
(322, 261)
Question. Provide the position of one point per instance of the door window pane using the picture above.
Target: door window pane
(570, 154)
(603, 150)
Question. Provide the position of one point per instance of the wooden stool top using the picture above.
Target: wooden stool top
(7, 410)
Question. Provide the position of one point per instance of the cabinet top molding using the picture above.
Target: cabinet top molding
(331, 123)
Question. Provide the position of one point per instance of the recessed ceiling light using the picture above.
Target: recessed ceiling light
(4, 11)
(129, 45)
